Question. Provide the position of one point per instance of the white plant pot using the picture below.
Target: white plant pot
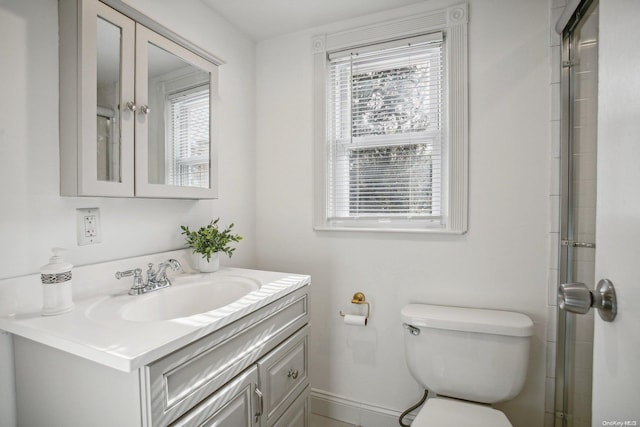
(204, 266)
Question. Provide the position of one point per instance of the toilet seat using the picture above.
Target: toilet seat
(444, 412)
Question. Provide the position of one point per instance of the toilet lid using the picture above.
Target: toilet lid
(443, 412)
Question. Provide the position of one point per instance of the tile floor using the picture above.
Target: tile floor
(320, 421)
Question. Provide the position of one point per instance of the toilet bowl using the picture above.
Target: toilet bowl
(470, 358)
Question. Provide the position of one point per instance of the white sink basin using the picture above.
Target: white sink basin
(190, 295)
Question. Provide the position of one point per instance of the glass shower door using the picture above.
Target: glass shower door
(574, 358)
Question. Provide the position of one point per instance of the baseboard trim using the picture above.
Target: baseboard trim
(351, 411)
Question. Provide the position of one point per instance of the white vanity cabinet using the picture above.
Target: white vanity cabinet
(137, 106)
(252, 372)
(273, 392)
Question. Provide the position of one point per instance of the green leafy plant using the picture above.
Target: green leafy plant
(210, 239)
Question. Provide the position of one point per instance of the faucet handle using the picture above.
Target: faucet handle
(150, 273)
(138, 283)
(136, 273)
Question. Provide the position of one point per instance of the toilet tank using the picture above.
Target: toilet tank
(467, 353)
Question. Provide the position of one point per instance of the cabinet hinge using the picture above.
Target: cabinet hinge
(577, 244)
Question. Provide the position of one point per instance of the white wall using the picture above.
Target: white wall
(33, 217)
(500, 263)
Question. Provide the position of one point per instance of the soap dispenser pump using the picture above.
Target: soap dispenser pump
(56, 285)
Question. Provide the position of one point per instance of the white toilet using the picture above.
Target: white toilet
(470, 358)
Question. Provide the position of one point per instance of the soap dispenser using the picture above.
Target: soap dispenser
(56, 285)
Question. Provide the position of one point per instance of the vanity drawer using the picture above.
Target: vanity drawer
(284, 374)
(177, 382)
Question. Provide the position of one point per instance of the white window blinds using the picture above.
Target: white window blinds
(188, 142)
(385, 132)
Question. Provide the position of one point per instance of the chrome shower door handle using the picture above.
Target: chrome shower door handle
(576, 298)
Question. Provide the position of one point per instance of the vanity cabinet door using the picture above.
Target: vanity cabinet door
(283, 375)
(236, 404)
(97, 52)
(298, 414)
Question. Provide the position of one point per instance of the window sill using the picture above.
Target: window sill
(391, 230)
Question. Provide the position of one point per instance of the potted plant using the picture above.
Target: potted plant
(208, 242)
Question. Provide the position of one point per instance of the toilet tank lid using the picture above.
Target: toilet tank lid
(468, 319)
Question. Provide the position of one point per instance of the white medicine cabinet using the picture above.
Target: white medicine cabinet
(137, 106)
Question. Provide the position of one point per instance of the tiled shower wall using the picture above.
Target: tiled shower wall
(585, 213)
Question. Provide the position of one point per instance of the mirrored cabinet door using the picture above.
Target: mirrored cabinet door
(110, 94)
(108, 115)
(175, 155)
(97, 128)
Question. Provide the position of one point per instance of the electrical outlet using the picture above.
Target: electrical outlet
(88, 226)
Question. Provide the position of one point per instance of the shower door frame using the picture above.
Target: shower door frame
(564, 348)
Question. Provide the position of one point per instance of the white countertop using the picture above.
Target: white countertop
(128, 345)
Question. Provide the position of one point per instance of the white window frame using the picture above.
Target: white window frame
(452, 22)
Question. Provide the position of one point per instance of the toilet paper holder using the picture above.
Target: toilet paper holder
(358, 298)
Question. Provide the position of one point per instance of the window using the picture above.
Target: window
(391, 149)
(385, 107)
(188, 141)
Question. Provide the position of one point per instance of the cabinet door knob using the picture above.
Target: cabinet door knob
(145, 109)
(131, 106)
(293, 373)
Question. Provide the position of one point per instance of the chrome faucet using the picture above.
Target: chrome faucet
(156, 278)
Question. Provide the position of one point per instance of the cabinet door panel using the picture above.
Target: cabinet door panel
(175, 150)
(283, 374)
(109, 81)
(105, 143)
(297, 415)
(232, 405)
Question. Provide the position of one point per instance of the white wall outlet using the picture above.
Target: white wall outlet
(88, 221)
